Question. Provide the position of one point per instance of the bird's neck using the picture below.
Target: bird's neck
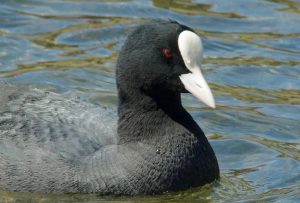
(146, 115)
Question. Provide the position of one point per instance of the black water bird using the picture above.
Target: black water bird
(53, 144)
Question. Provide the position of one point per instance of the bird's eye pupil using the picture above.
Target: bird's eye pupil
(167, 53)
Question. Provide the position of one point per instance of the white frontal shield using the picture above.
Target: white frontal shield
(191, 50)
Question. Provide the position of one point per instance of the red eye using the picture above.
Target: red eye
(167, 53)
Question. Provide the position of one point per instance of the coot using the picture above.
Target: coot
(53, 144)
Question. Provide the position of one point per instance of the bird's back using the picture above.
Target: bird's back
(45, 134)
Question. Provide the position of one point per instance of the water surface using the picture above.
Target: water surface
(252, 62)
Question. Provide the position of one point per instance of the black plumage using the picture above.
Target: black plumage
(53, 144)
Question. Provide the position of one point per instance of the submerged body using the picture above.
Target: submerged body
(53, 144)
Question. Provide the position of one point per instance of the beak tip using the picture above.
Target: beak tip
(212, 105)
(209, 100)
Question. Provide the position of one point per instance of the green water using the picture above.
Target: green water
(252, 62)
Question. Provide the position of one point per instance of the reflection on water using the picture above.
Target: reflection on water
(252, 51)
(292, 6)
(188, 7)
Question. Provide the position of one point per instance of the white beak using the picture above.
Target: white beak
(190, 47)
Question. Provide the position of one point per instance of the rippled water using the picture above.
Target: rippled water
(252, 61)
